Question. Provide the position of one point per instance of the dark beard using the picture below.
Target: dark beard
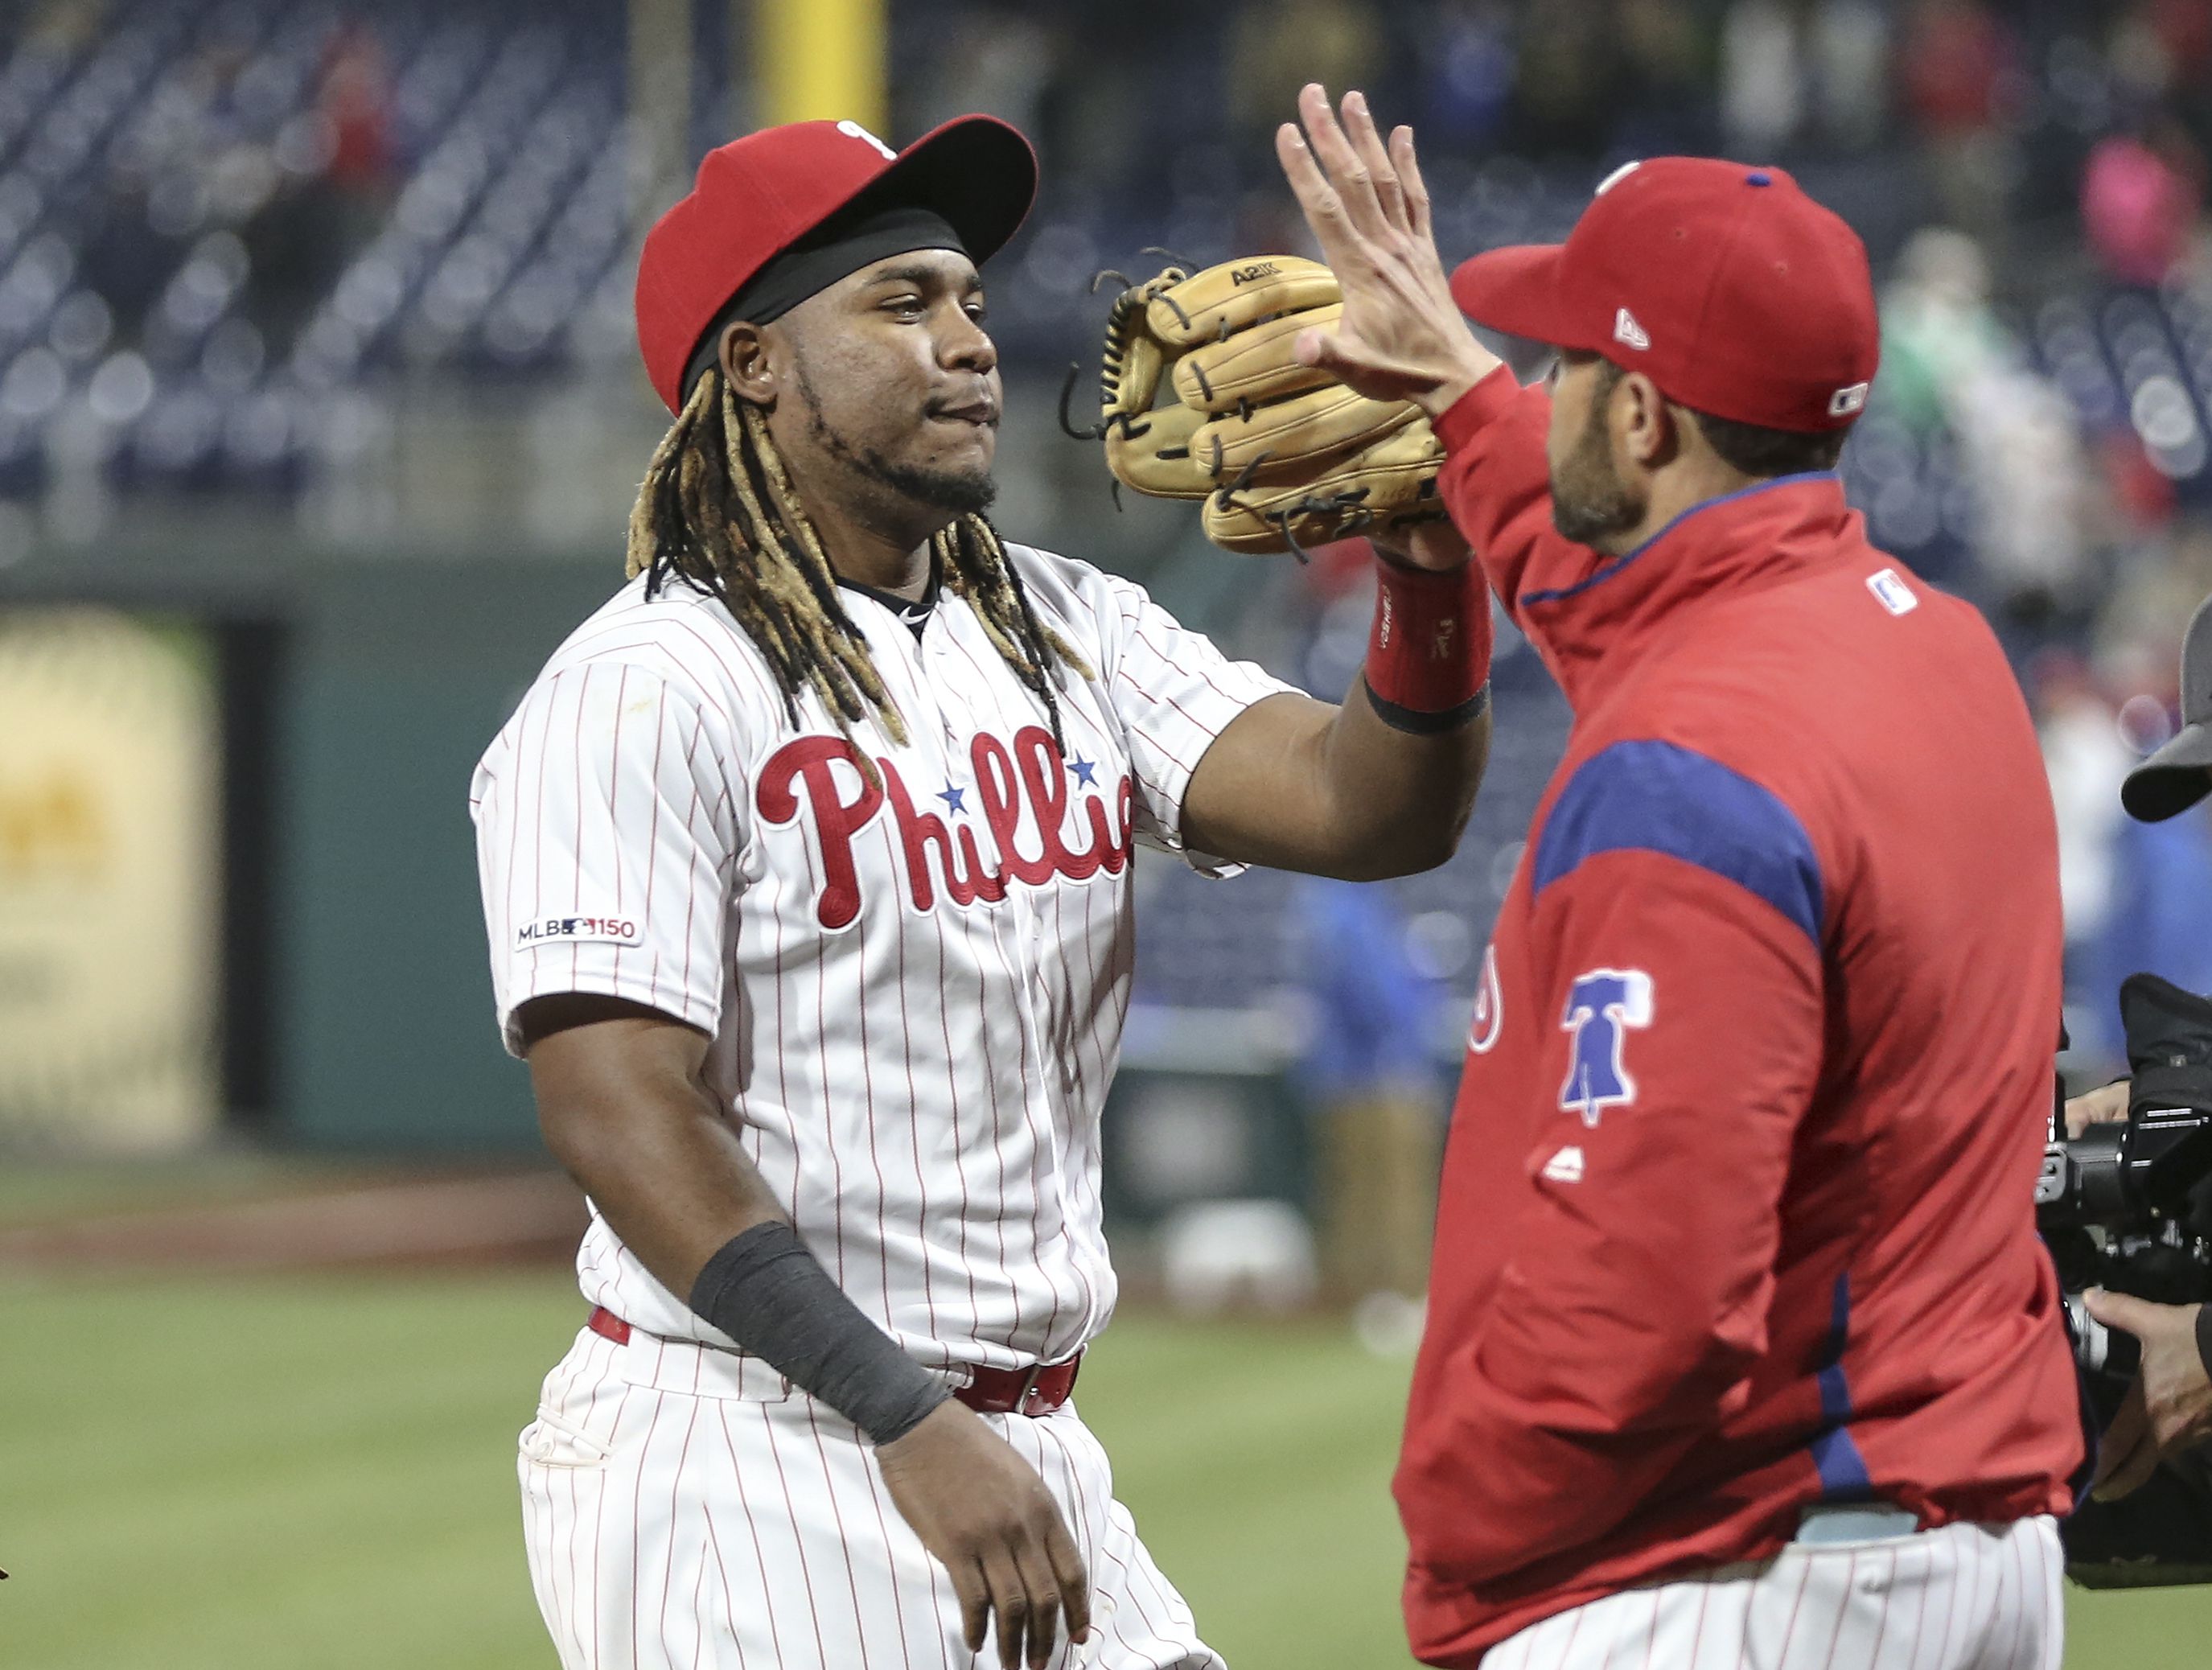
(962, 492)
(1589, 500)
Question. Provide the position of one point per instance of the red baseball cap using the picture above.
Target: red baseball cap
(1730, 289)
(757, 196)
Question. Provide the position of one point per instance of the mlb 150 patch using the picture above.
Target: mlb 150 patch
(608, 930)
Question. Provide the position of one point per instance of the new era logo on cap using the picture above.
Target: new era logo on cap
(1845, 401)
(1625, 329)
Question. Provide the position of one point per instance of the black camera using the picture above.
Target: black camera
(2128, 1207)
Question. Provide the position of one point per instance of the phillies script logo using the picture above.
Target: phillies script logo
(1023, 785)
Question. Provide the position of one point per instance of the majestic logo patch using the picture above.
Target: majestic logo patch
(1891, 591)
(1601, 1006)
(1565, 1166)
(1489, 1007)
(1625, 329)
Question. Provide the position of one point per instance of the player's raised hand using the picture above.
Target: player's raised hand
(1402, 336)
(985, 1514)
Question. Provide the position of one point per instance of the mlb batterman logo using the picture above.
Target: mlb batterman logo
(1891, 591)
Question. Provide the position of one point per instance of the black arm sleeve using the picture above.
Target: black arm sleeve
(2204, 1336)
(769, 1294)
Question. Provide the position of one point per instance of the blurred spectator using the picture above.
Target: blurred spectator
(1936, 325)
(355, 108)
(2141, 198)
(1956, 57)
(2159, 49)
(1949, 365)
(2087, 760)
(1368, 1076)
(1789, 71)
(2156, 895)
(331, 172)
(2160, 920)
(1847, 49)
(1762, 80)
(1961, 81)
(2144, 495)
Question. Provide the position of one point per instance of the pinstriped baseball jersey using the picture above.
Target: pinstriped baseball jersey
(915, 983)
(1964, 1596)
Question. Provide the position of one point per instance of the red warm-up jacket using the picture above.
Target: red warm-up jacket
(1736, 1213)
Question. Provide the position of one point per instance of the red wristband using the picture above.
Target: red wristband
(1428, 652)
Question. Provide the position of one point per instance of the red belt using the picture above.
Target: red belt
(608, 1326)
(1036, 1391)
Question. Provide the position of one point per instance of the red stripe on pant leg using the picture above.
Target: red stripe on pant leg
(752, 1529)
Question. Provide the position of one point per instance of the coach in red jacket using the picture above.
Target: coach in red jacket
(1740, 1347)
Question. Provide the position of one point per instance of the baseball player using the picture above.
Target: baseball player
(1741, 1346)
(806, 871)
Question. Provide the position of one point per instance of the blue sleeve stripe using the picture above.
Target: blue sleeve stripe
(1835, 1453)
(1842, 1470)
(1658, 798)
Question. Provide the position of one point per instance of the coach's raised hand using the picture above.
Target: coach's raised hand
(982, 1511)
(1402, 336)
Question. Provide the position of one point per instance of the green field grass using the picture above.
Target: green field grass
(318, 1475)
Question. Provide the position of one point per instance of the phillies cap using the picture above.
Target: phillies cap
(757, 196)
(1730, 289)
(2179, 774)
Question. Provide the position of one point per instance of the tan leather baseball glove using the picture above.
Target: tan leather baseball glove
(1202, 398)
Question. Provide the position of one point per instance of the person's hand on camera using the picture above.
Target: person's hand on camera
(2106, 1105)
(2168, 1409)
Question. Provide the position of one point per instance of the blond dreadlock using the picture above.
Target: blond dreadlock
(718, 510)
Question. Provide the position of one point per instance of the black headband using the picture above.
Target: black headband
(838, 248)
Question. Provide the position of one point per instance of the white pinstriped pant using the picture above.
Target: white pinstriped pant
(1965, 1597)
(682, 1512)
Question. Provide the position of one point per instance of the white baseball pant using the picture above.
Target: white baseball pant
(683, 1511)
(1965, 1597)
